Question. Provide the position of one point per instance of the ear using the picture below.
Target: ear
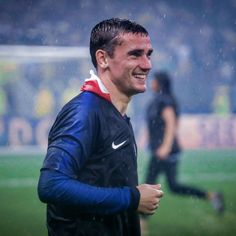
(101, 57)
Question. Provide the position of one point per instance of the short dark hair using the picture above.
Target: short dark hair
(105, 34)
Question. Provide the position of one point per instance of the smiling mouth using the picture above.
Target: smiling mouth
(140, 76)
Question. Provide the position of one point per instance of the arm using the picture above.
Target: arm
(169, 118)
(55, 187)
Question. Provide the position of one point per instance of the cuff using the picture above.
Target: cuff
(135, 197)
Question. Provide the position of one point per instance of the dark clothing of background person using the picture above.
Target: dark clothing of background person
(156, 129)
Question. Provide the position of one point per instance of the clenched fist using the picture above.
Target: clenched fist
(150, 196)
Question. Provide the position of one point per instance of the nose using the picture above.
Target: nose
(146, 63)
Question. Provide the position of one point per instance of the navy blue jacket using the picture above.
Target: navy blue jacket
(89, 175)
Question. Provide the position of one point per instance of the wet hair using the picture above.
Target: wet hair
(164, 82)
(105, 35)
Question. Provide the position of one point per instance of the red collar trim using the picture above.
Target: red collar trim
(93, 86)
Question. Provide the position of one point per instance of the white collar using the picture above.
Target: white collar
(100, 84)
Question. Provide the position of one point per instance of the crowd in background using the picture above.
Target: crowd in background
(193, 40)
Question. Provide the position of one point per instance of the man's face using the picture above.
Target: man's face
(131, 63)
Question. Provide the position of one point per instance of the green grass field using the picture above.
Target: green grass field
(22, 214)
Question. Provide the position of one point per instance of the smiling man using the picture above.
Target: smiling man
(89, 176)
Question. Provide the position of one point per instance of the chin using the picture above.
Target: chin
(140, 90)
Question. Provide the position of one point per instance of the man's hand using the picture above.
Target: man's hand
(150, 196)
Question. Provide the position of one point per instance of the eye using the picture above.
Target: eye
(136, 53)
(149, 54)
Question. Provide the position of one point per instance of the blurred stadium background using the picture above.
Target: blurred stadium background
(44, 60)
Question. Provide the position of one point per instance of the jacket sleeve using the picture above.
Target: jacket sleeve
(55, 187)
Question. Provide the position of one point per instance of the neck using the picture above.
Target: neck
(120, 104)
(118, 99)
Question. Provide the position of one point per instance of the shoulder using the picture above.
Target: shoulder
(80, 114)
(85, 102)
(167, 100)
(161, 101)
(82, 109)
(158, 100)
(84, 99)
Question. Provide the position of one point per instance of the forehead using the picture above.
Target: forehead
(135, 41)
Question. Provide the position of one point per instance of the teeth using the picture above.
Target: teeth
(140, 76)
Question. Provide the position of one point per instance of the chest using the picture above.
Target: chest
(114, 160)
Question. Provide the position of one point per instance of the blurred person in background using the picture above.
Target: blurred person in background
(89, 176)
(162, 122)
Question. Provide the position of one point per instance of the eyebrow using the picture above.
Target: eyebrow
(140, 52)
